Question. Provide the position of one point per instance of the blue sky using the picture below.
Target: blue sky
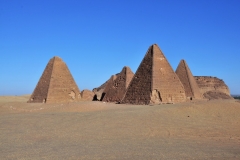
(96, 38)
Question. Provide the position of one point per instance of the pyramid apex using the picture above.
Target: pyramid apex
(155, 44)
(183, 60)
(183, 63)
(57, 57)
(126, 67)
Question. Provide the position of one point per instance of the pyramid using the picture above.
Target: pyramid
(109, 85)
(56, 84)
(190, 85)
(154, 81)
(116, 92)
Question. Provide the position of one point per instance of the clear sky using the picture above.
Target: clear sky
(97, 38)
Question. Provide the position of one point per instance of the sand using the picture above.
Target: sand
(97, 130)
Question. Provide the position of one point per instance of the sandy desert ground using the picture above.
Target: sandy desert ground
(97, 130)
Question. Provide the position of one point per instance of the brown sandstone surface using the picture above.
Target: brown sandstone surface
(56, 84)
(186, 77)
(116, 90)
(109, 85)
(98, 94)
(216, 95)
(97, 130)
(213, 87)
(99, 91)
(87, 95)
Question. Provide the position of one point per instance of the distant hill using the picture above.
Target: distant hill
(236, 96)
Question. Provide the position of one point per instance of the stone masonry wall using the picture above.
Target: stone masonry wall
(183, 76)
(109, 86)
(119, 86)
(190, 85)
(165, 80)
(129, 76)
(62, 85)
(40, 92)
(56, 84)
(139, 89)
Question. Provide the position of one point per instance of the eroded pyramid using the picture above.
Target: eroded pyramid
(154, 81)
(56, 84)
(190, 85)
(119, 86)
(109, 85)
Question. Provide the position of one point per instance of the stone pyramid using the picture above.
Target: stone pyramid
(154, 81)
(56, 84)
(116, 92)
(190, 85)
(108, 86)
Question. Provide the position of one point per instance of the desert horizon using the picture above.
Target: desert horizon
(119, 80)
(155, 113)
(207, 129)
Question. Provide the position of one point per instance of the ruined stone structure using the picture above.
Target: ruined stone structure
(87, 95)
(116, 90)
(155, 81)
(99, 91)
(213, 87)
(56, 84)
(190, 85)
(108, 86)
